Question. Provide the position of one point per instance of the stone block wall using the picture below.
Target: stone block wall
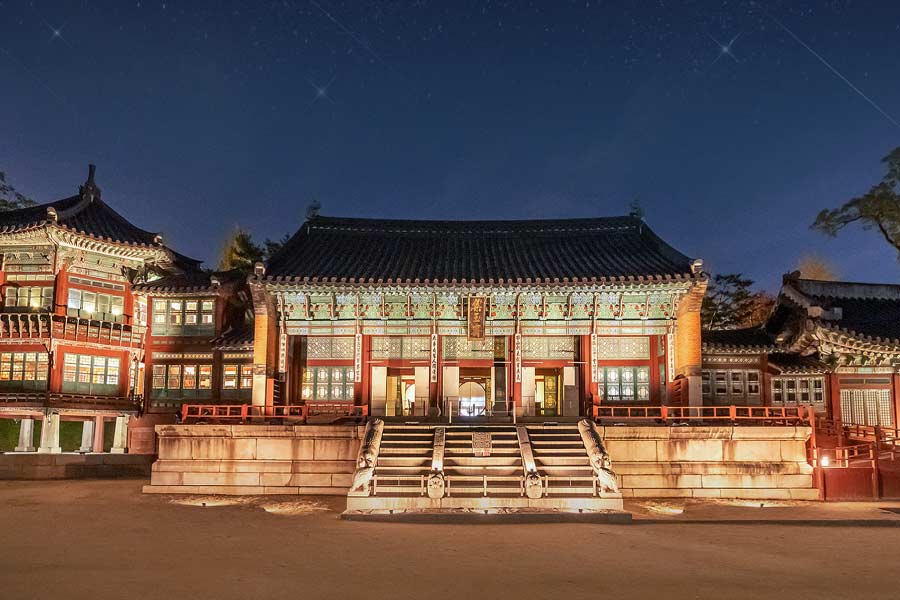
(712, 462)
(21, 465)
(255, 459)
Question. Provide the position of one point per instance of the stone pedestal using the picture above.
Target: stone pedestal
(50, 435)
(87, 436)
(26, 436)
(120, 435)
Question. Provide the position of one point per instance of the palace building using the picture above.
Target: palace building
(427, 321)
(828, 344)
(476, 319)
(102, 323)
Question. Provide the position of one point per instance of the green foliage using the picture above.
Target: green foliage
(271, 247)
(878, 209)
(731, 304)
(10, 199)
(240, 252)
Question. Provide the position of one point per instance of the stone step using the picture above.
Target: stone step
(483, 460)
(562, 459)
(404, 450)
(556, 443)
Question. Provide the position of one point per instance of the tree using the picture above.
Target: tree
(878, 209)
(731, 304)
(10, 199)
(271, 247)
(239, 252)
(816, 267)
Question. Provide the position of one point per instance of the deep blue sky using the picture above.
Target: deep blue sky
(202, 116)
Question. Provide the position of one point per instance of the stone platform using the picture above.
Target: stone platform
(712, 462)
(254, 459)
(650, 461)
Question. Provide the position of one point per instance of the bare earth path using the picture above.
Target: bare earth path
(103, 539)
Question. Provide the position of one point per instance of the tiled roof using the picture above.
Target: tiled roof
(239, 338)
(792, 364)
(372, 250)
(866, 311)
(189, 281)
(747, 339)
(85, 213)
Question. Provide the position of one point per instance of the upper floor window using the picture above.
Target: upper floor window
(23, 370)
(27, 298)
(183, 317)
(83, 303)
(87, 374)
(182, 381)
(730, 385)
(799, 390)
(237, 380)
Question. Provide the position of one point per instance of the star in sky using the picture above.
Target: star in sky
(725, 49)
(56, 33)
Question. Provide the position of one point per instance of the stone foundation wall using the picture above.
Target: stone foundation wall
(255, 459)
(20, 465)
(698, 462)
(712, 462)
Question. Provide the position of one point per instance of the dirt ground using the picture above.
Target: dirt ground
(104, 539)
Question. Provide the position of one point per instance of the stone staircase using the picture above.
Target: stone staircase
(481, 467)
(562, 461)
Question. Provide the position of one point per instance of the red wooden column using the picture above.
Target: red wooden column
(588, 388)
(516, 385)
(895, 394)
(365, 386)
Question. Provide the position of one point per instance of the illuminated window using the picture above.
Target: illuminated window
(27, 298)
(181, 382)
(23, 370)
(82, 303)
(327, 383)
(625, 384)
(87, 374)
(183, 317)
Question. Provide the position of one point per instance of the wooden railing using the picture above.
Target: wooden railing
(129, 403)
(781, 415)
(242, 413)
(46, 325)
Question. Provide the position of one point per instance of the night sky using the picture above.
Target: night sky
(719, 118)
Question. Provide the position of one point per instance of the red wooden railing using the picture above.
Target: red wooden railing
(786, 415)
(242, 413)
(44, 325)
(733, 413)
(69, 401)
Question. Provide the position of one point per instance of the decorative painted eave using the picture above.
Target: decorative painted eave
(854, 340)
(65, 236)
(714, 348)
(312, 285)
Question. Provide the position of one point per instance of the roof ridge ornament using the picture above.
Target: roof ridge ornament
(89, 190)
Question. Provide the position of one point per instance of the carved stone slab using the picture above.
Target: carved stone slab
(481, 443)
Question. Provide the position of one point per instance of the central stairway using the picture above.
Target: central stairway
(477, 468)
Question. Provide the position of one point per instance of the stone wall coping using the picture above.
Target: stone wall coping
(741, 432)
(262, 431)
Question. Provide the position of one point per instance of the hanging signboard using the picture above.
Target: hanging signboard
(477, 315)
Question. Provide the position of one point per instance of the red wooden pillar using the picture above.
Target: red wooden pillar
(365, 385)
(517, 385)
(895, 394)
(434, 387)
(588, 388)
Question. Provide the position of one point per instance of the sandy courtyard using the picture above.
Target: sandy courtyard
(104, 539)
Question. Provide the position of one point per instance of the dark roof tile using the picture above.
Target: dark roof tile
(442, 251)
